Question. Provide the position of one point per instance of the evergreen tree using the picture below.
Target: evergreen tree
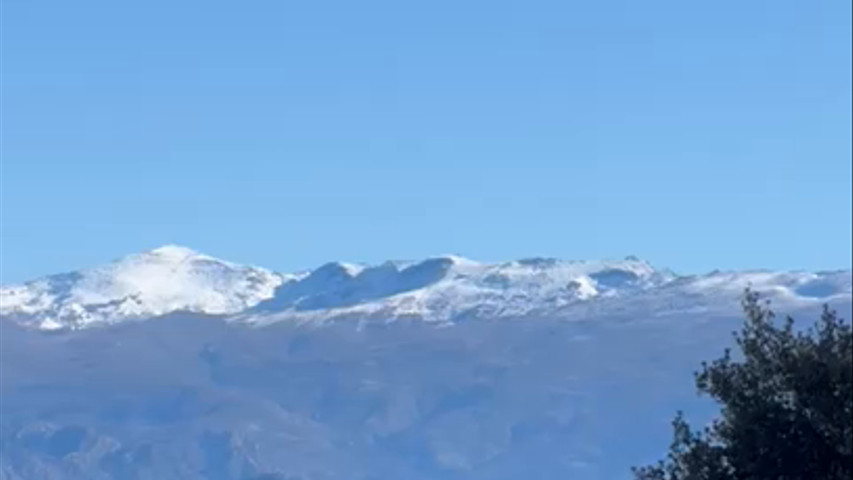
(786, 406)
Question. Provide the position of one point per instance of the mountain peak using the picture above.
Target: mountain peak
(174, 252)
(167, 279)
(458, 260)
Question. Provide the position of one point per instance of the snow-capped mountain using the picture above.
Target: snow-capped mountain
(394, 371)
(174, 279)
(162, 281)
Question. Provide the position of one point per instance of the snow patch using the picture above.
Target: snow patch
(441, 289)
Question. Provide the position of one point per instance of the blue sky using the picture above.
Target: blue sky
(696, 135)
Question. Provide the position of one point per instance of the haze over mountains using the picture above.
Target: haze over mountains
(171, 364)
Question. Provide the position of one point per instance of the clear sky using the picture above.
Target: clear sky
(696, 135)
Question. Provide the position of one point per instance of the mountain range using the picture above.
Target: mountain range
(171, 364)
(173, 279)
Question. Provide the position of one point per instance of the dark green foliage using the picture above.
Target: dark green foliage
(786, 404)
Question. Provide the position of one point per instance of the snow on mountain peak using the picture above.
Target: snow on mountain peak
(173, 278)
(458, 261)
(446, 287)
(158, 282)
(175, 253)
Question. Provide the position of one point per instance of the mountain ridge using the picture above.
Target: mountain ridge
(439, 369)
(441, 289)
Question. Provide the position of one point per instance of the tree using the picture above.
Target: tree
(786, 405)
